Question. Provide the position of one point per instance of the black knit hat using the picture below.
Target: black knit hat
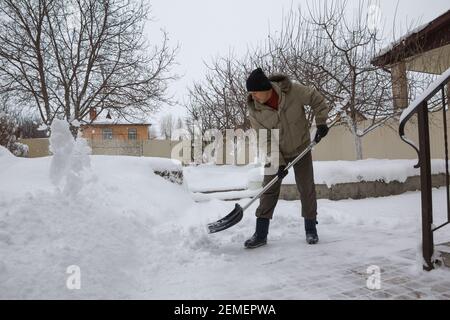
(257, 81)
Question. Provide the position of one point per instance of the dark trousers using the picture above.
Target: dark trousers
(304, 178)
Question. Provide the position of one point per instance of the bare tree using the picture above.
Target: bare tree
(324, 49)
(219, 101)
(63, 57)
(168, 125)
(333, 54)
(180, 124)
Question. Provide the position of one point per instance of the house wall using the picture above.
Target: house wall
(120, 132)
(421, 62)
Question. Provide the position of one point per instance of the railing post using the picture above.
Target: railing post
(425, 182)
(447, 182)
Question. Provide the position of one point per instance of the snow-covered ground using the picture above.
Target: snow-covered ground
(133, 234)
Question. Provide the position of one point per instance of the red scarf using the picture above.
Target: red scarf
(273, 100)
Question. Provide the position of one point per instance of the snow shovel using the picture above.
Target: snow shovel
(236, 215)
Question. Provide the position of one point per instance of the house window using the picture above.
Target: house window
(132, 134)
(107, 134)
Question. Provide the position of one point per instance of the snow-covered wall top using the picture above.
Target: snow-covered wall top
(334, 172)
(227, 177)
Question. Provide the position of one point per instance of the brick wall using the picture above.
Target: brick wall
(119, 132)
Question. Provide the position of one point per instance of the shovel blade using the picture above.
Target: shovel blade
(228, 221)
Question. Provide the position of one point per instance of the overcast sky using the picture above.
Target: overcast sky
(208, 28)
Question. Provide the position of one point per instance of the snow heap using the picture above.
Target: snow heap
(5, 153)
(132, 234)
(165, 164)
(70, 158)
(111, 216)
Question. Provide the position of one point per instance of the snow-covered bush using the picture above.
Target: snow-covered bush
(8, 127)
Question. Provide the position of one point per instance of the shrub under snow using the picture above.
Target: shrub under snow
(8, 127)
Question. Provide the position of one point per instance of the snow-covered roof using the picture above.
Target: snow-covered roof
(402, 42)
(102, 119)
(402, 39)
(118, 122)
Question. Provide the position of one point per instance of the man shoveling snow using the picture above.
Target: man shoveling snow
(278, 103)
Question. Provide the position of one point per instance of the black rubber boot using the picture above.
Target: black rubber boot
(311, 231)
(259, 238)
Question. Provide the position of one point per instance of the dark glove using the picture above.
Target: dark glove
(281, 172)
(322, 130)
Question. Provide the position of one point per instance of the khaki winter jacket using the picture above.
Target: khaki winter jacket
(290, 117)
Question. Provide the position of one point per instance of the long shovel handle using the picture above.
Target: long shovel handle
(275, 179)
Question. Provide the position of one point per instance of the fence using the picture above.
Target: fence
(381, 143)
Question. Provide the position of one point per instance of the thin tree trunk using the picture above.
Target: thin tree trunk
(358, 144)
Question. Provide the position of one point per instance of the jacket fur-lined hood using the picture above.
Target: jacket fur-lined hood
(283, 81)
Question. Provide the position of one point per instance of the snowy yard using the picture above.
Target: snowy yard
(133, 234)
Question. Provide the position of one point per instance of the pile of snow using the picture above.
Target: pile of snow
(132, 234)
(165, 164)
(70, 159)
(5, 153)
(110, 216)
(334, 172)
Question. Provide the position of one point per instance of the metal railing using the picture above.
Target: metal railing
(420, 107)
